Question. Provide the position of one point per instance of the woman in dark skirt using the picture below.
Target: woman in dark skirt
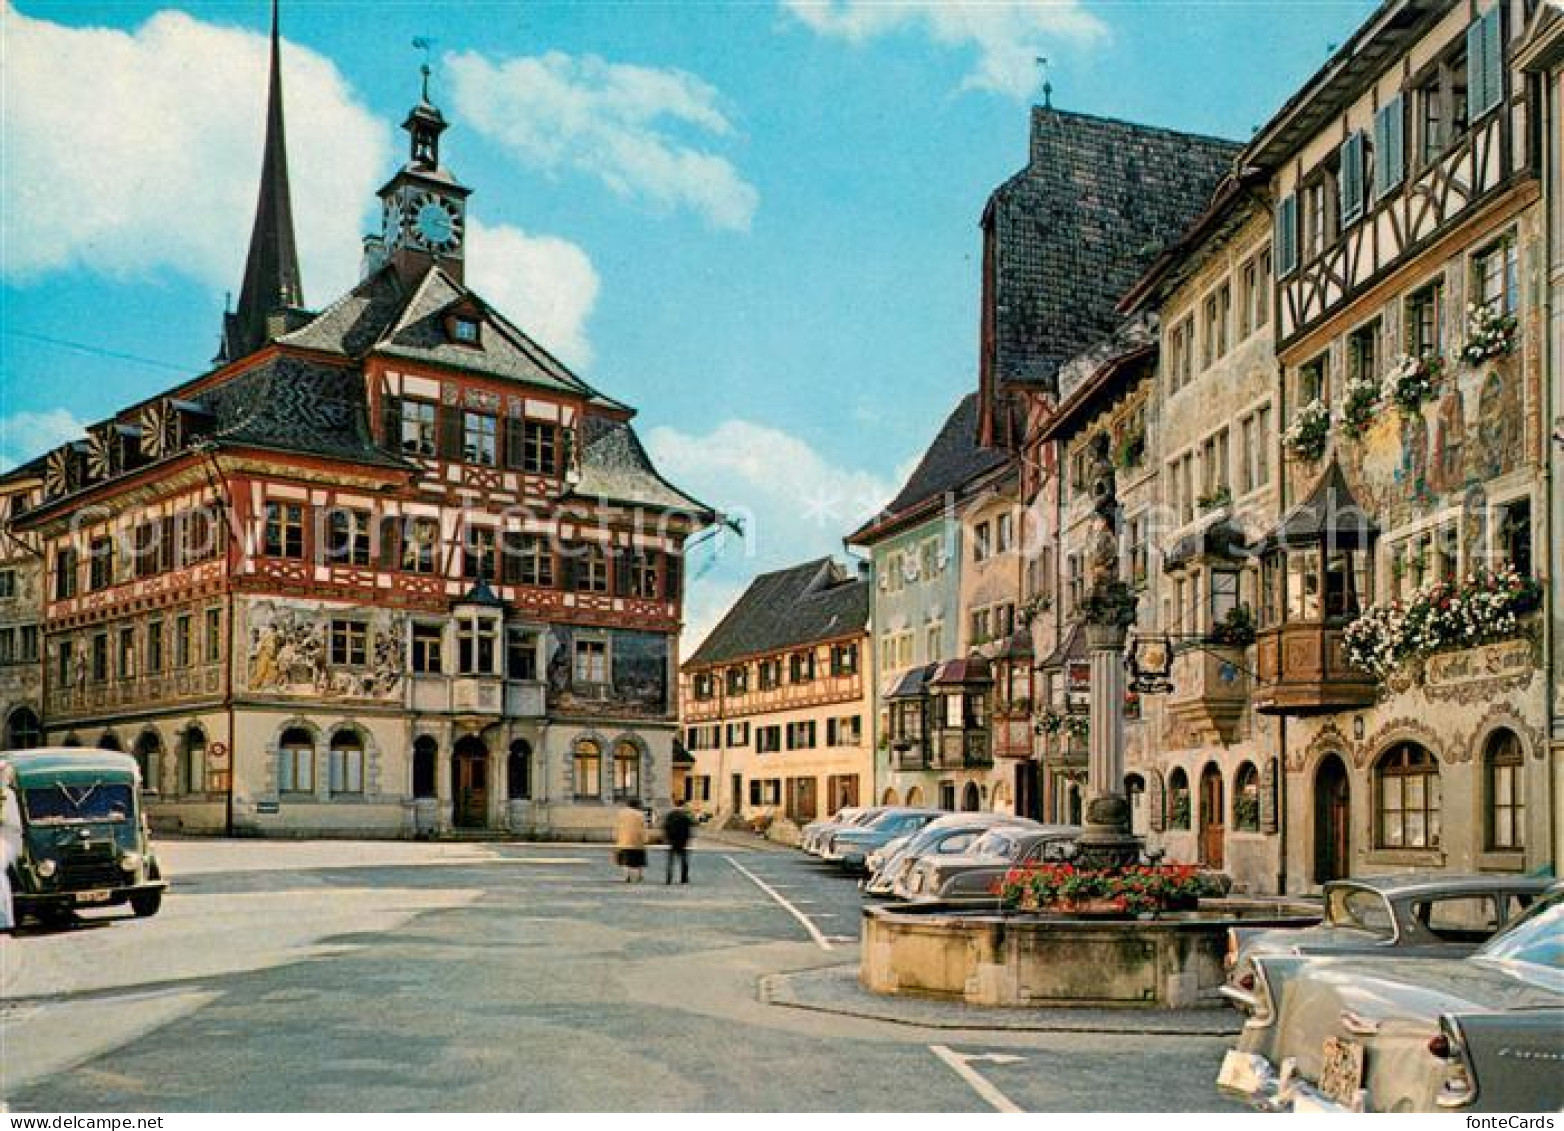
(630, 841)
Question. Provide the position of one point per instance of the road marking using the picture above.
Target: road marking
(991, 1095)
(814, 932)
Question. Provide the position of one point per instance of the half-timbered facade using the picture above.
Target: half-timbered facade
(1409, 255)
(388, 569)
(777, 699)
(21, 601)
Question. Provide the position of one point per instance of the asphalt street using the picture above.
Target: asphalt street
(321, 976)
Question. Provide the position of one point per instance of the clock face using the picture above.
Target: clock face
(435, 223)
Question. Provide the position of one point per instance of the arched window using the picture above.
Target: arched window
(627, 771)
(587, 762)
(347, 762)
(888, 797)
(1135, 794)
(1178, 798)
(971, 800)
(192, 761)
(1504, 780)
(22, 729)
(1407, 780)
(109, 741)
(915, 796)
(1246, 799)
(518, 771)
(148, 754)
(296, 761)
(424, 766)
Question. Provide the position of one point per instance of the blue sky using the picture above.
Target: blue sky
(756, 222)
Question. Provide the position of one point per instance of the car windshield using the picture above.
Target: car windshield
(994, 843)
(1359, 909)
(1537, 938)
(93, 801)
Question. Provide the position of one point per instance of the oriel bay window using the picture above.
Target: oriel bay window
(477, 644)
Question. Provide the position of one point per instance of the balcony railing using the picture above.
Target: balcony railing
(962, 749)
(1303, 670)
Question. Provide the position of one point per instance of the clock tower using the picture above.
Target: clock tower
(423, 209)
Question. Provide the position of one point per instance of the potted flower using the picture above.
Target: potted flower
(1357, 409)
(1490, 333)
(1215, 500)
(1130, 449)
(1236, 630)
(1305, 437)
(1413, 380)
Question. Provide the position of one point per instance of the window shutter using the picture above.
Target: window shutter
(569, 560)
(1389, 149)
(672, 564)
(1493, 56)
(166, 545)
(1484, 64)
(510, 557)
(1350, 184)
(620, 559)
(451, 435)
(565, 452)
(391, 542)
(1287, 236)
(514, 432)
(391, 422)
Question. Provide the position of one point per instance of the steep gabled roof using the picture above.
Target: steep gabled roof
(1073, 230)
(616, 467)
(804, 604)
(951, 461)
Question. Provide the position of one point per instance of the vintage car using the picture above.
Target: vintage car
(878, 858)
(850, 847)
(812, 839)
(84, 835)
(971, 876)
(1393, 1033)
(949, 835)
(1431, 916)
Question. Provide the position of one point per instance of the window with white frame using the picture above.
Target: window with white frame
(296, 762)
(347, 762)
(1496, 276)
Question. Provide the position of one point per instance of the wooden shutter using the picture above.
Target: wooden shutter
(564, 452)
(1287, 236)
(1156, 798)
(620, 559)
(1389, 146)
(510, 556)
(390, 542)
(451, 433)
(391, 422)
(671, 576)
(515, 432)
(1484, 64)
(1350, 183)
(569, 561)
(166, 546)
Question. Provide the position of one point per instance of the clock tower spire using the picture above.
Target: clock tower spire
(423, 207)
(271, 291)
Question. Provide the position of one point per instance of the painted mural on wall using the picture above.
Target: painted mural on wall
(628, 676)
(289, 652)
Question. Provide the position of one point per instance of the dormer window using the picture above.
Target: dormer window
(464, 330)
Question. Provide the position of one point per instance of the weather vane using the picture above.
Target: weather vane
(426, 45)
(1048, 87)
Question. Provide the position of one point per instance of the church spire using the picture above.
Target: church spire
(271, 271)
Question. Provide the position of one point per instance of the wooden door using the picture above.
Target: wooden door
(470, 770)
(1332, 821)
(1212, 823)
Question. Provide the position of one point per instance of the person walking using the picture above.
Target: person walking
(678, 831)
(630, 841)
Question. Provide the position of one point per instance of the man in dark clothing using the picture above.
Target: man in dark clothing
(678, 830)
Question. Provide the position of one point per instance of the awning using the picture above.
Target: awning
(1330, 515)
(911, 683)
(973, 669)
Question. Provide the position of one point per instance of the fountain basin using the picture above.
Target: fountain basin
(1173, 961)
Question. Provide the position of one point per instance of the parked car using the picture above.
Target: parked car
(84, 835)
(949, 835)
(850, 847)
(877, 859)
(1396, 1033)
(1425, 915)
(970, 877)
(814, 834)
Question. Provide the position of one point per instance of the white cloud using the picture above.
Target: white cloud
(26, 435)
(1008, 35)
(626, 125)
(544, 284)
(130, 152)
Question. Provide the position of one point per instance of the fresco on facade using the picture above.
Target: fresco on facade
(635, 679)
(1413, 474)
(289, 651)
(1499, 427)
(1449, 463)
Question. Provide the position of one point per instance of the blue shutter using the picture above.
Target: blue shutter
(1286, 235)
(1493, 56)
(1389, 150)
(1349, 185)
(1484, 64)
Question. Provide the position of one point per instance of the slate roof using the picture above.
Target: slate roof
(615, 466)
(1074, 229)
(1330, 514)
(951, 461)
(814, 601)
(381, 316)
(293, 405)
